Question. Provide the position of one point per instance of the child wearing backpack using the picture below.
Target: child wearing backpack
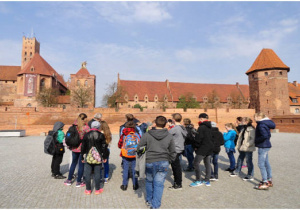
(82, 128)
(94, 153)
(128, 143)
(58, 137)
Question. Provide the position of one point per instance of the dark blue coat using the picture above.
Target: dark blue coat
(263, 134)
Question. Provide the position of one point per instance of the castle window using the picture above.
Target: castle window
(32, 69)
(293, 121)
(78, 82)
(25, 53)
(266, 83)
(30, 53)
(42, 83)
(266, 74)
(295, 100)
(64, 106)
(25, 59)
(267, 101)
(252, 75)
(86, 83)
(297, 110)
(128, 106)
(121, 104)
(280, 73)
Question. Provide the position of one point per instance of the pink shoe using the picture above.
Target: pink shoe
(97, 192)
(243, 166)
(87, 192)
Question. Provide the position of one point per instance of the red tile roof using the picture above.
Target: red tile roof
(41, 67)
(66, 99)
(9, 73)
(83, 71)
(294, 92)
(141, 88)
(267, 59)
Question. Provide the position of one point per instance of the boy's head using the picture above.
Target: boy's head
(129, 117)
(160, 121)
(203, 117)
(177, 117)
(187, 121)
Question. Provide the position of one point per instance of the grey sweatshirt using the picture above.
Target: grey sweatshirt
(179, 134)
(159, 146)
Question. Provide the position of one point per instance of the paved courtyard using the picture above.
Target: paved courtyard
(26, 182)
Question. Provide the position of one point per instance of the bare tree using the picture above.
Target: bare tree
(81, 96)
(113, 95)
(214, 99)
(47, 97)
(237, 100)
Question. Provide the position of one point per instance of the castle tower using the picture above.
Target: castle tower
(29, 48)
(268, 84)
(85, 80)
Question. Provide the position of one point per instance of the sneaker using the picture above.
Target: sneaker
(148, 203)
(80, 184)
(67, 182)
(175, 187)
(248, 178)
(123, 187)
(207, 184)
(262, 186)
(87, 192)
(230, 170)
(196, 184)
(213, 179)
(135, 187)
(59, 177)
(232, 174)
(270, 183)
(97, 192)
(244, 166)
(105, 180)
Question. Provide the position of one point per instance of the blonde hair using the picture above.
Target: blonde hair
(80, 121)
(260, 114)
(106, 131)
(248, 121)
(231, 126)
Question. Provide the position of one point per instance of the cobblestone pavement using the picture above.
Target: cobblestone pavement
(26, 182)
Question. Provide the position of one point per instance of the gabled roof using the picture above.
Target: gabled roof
(9, 73)
(150, 88)
(266, 60)
(83, 71)
(41, 67)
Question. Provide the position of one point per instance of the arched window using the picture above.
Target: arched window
(297, 110)
(25, 53)
(86, 83)
(266, 73)
(42, 83)
(78, 82)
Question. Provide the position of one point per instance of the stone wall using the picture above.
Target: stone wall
(40, 119)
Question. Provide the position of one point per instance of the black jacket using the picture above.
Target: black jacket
(97, 139)
(191, 133)
(218, 140)
(203, 141)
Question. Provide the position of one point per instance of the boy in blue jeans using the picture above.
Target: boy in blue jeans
(160, 150)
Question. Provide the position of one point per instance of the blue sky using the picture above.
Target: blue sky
(195, 42)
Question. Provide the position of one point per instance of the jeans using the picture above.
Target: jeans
(176, 168)
(240, 161)
(106, 168)
(263, 164)
(189, 150)
(231, 160)
(196, 164)
(127, 162)
(76, 158)
(55, 165)
(156, 173)
(97, 175)
(214, 161)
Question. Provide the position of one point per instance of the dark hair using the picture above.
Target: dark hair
(130, 124)
(186, 121)
(129, 117)
(239, 119)
(170, 121)
(177, 117)
(82, 116)
(160, 121)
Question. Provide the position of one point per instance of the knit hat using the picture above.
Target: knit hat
(213, 124)
(95, 124)
(203, 115)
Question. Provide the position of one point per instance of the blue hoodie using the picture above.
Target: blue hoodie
(229, 139)
(263, 134)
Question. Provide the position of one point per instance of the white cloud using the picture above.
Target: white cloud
(129, 12)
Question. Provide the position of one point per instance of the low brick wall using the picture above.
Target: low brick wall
(288, 123)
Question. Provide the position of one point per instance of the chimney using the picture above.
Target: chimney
(168, 85)
(295, 83)
(237, 84)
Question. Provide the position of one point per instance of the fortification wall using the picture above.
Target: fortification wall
(40, 119)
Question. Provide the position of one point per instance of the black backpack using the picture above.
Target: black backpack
(49, 143)
(72, 137)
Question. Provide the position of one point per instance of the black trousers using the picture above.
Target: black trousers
(177, 172)
(55, 165)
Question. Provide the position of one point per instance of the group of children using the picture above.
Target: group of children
(163, 146)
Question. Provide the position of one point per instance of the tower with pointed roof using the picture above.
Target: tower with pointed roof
(268, 84)
(83, 78)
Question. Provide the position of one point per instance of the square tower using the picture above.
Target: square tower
(268, 84)
(29, 48)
